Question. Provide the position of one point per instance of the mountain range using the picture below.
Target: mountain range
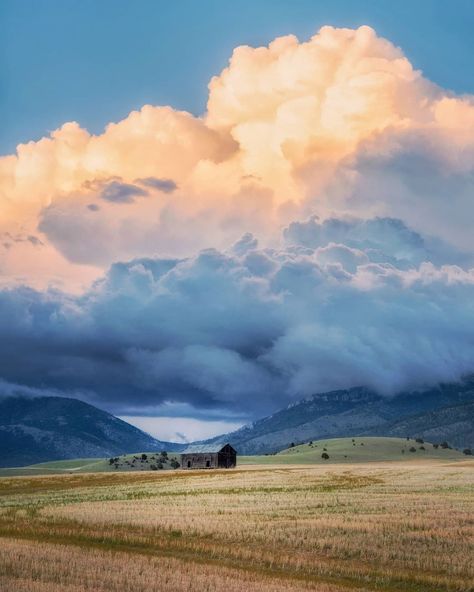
(53, 428)
(39, 429)
(438, 414)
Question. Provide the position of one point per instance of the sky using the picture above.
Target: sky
(209, 211)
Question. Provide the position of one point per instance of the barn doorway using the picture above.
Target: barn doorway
(208, 464)
(189, 464)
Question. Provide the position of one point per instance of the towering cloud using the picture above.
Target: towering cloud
(312, 230)
(340, 123)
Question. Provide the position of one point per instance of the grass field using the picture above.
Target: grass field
(339, 450)
(359, 449)
(393, 526)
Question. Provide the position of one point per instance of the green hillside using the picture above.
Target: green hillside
(125, 462)
(360, 449)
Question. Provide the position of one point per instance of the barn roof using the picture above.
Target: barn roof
(202, 448)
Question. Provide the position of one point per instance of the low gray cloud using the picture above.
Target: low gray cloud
(342, 303)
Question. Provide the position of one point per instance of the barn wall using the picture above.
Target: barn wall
(200, 460)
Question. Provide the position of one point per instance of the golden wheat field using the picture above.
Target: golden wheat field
(391, 527)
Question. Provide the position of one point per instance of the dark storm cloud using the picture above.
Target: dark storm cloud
(121, 193)
(344, 303)
(8, 239)
(165, 185)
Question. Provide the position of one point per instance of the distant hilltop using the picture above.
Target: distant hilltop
(41, 429)
(442, 413)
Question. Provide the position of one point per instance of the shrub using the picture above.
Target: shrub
(422, 448)
(144, 456)
(467, 451)
(412, 449)
(325, 455)
(435, 445)
(164, 454)
(160, 465)
(174, 464)
(153, 467)
(444, 445)
(420, 440)
(292, 445)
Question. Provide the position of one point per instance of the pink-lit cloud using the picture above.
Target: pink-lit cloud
(340, 124)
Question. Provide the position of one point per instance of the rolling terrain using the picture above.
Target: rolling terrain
(357, 450)
(150, 461)
(338, 450)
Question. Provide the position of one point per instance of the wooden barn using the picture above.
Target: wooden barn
(209, 456)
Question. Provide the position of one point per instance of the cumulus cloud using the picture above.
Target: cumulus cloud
(249, 328)
(382, 239)
(310, 231)
(341, 124)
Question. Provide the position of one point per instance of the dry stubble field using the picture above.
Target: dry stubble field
(392, 527)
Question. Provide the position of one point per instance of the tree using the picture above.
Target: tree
(144, 456)
(412, 449)
(174, 464)
(467, 451)
(325, 455)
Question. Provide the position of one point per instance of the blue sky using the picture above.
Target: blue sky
(94, 61)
